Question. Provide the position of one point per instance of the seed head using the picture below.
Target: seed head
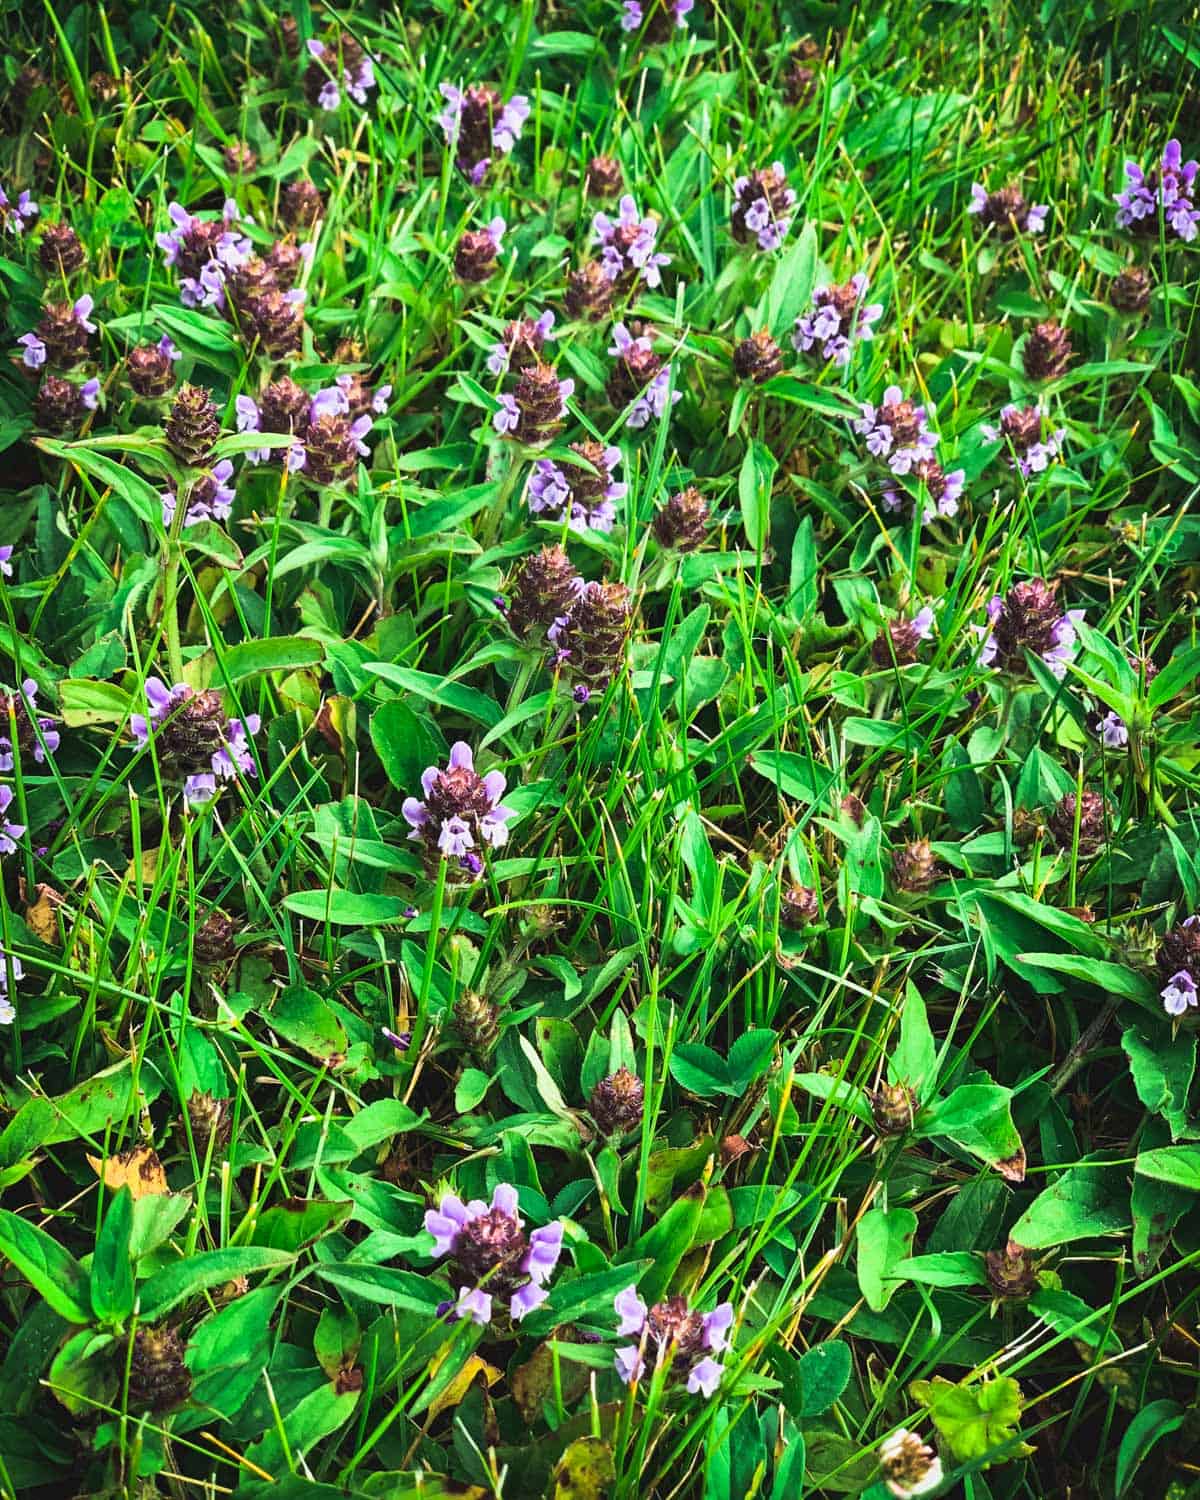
(757, 358)
(1089, 807)
(60, 252)
(682, 522)
(478, 1021)
(617, 1102)
(301, 204)
(210, 1119)
(893, 1108)
(214, 940)
(589, 292)
(1011, 1273)
(151, 370)
(799, 906)
(915, 867)
(193, 425)
(1047, 351)
(1129, 293)
(159, 1380)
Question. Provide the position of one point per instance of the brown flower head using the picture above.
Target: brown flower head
(682, 522)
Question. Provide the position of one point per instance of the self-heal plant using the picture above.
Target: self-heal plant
(479, 126)
(838, 320)
(629, 246)
(1006, 210)
(202, 252)
(1029, 618)
(194, 739)
(36, 736)
(1178, 960)
(1022, 430)
(17, 217)
(461, 810)
(640, 379)
(1167, 187)
(488, 1247)
(896, 430)
(762, 207)
(673, 1335)
(585, 496)
(522, 343)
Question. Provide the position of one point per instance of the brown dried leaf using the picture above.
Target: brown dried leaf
(139, 1169)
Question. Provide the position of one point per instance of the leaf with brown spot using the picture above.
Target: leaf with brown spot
(1012, 1168)
(474, 1368)
(139, 1170)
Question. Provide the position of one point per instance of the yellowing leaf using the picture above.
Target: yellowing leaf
(462, 1383)
(40, 915)
(139, 1170)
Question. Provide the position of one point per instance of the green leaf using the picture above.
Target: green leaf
(1178, 1166)
(285, 653)
(112, 1267)
(1162, 1068)
(946, 1268)
(388, 1285)
(665, 1243)
(345, 908)
(83, 703)
(914, 1060)
(978, 1118)
(749, 1058)
(824, 1372)
(467, 701)
(1085, 1202)
(405, 744)
(291, 1225)
(974, 1419)
(884, 1238)
(302, 1017)
(1114, 978)
(700, 1070)
(1149, 1426)
(185, 1278)
(50, 1269)
(754, 492)
(142, 498)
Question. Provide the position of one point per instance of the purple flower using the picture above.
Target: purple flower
(461, 808)
(89, 393)
(379, 400)
(1007, 208)
(1021, 429)
(10, 967)
(1167, 187)
(83, 311)
(6, 561)
(9, 832)
(401, 1040)
(194, 739)
(1028, 618)
(839, 318)
(633, 13)
(897, 430)
(35, 351)
(528, 336)
(679, 1336)
(249, 419)
(488, 1246)
(20, 215)
(762, 207)
(944, 490)
(39, 742)
(1179, 993)
(1114, 735)
(584, 497)
(210, 498)
(629, 245)
(478, 125)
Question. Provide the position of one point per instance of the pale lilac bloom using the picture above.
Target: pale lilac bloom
(168, 347)
(331, 401)
(34, 356)
(1029, 457)
(6, 561)
(232, 756)
(507, 417)
(1114, 735)
(839, 319)
(629, 244)
(249, 419)
(1168, 186)
(1179, 993)
(551, 492)
(633, 14)
(45, 743)
(767, 226)
(82, 312)
(488, 1243)
(9, 964)
(922, 623)
(20, 215)
(944, 490)
(235, 755)
(380, 400)
(330, 96)
(897, 430)
(1064, 642)
(9, 832)
(505, 125)
(460, 806)
(674, 1331)
(495, 231)
(210, 498)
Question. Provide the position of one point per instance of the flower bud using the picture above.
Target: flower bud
(589, 292)
(757, 358)
(240, 159)
(60, 252)
(301, 204)
(592, 641)
(159, 1380)
(150, 370)
(193, 425)
(475, 256)
(543, 587)
(1129, 293)
(893, 1108)
(617, 1103)
(478, 1021)
(683, 522)
(799, 906)
(915, 866)
(1011, 1273)
(1047, 351)
(602, 179)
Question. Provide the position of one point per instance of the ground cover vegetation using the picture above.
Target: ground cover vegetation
(599, 750)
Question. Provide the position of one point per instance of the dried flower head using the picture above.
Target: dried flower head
(478, 1021)
(589, 292)
(591, 639)
(617, 1103)
(893, 1108)
(159, 1380)
(799, 906)
(1084, 813)
(475, 255)
(910, 1467)
(675, 1335)
(1129, 293)
(488, 1247)
(1047, 351)
(682, 523)
(758, 358)
(915, 866)
(602, 177)
(60, 251)
(301, 204)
